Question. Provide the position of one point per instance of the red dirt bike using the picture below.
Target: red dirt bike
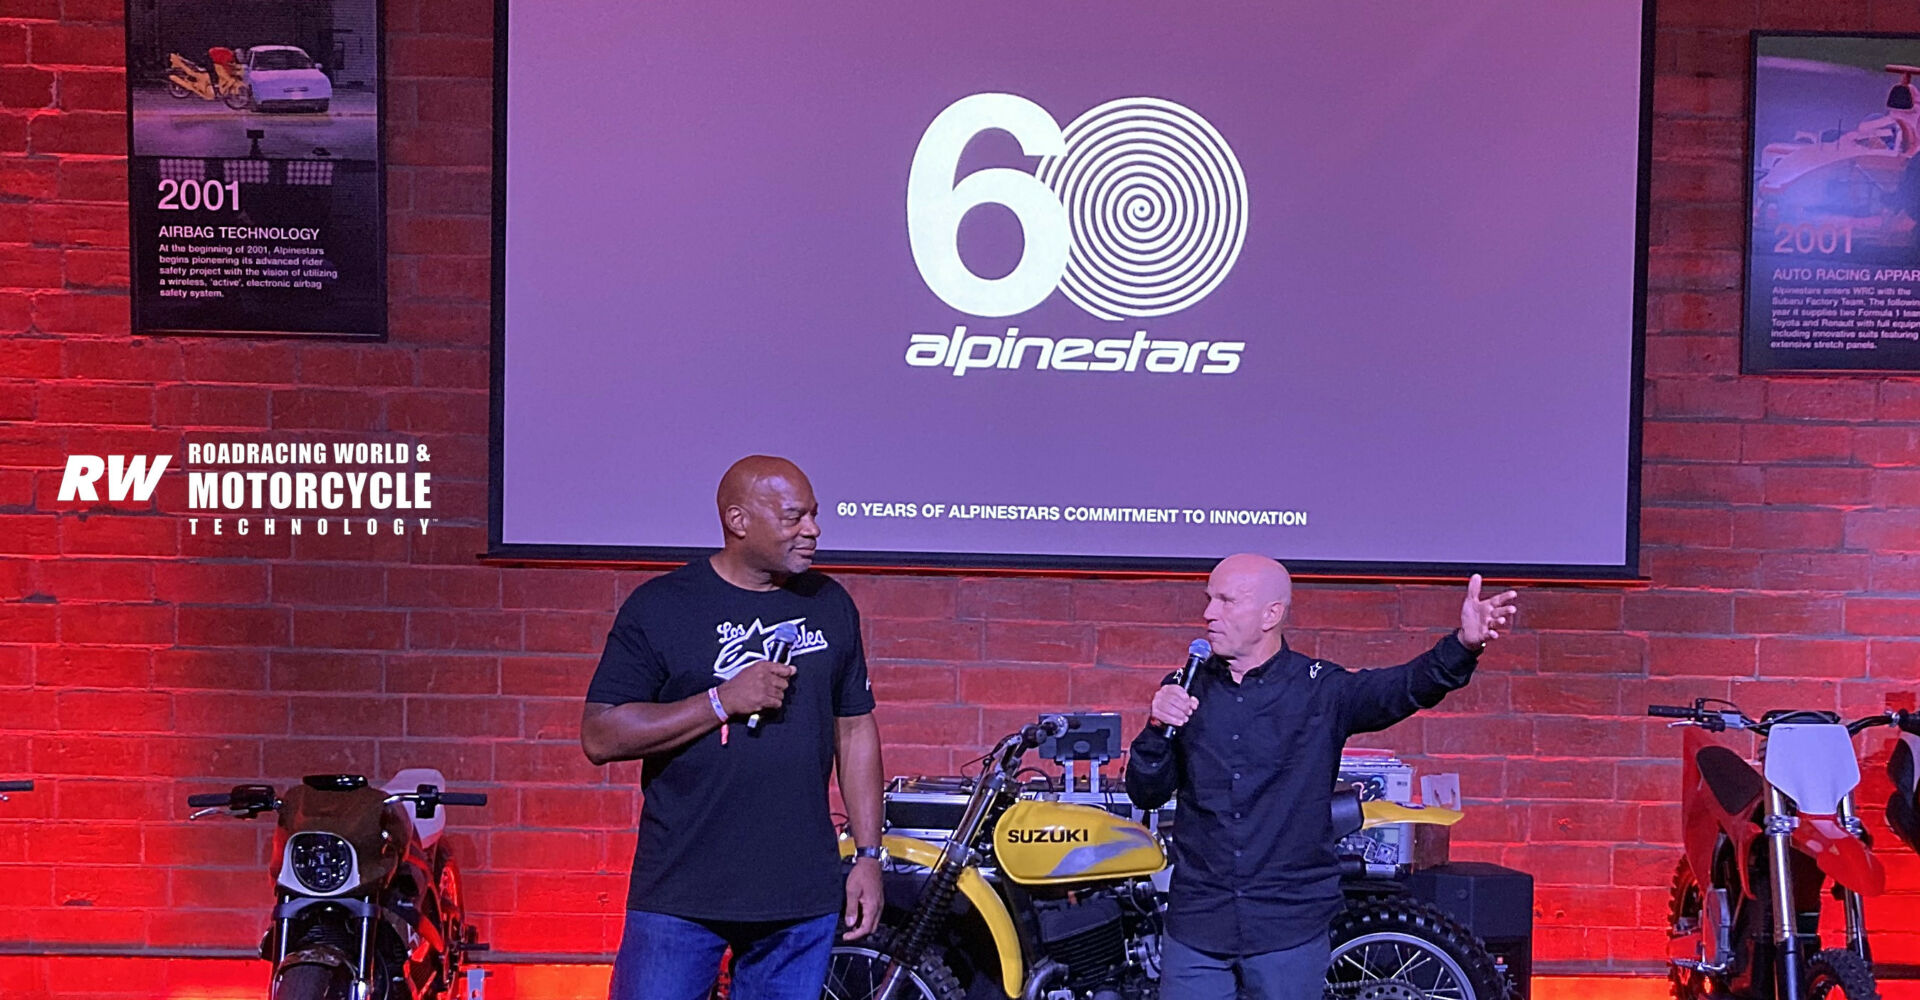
(1759, 848)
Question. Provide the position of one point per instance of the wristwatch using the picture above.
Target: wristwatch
(877, 853)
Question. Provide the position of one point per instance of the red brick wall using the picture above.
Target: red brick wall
(138, 662)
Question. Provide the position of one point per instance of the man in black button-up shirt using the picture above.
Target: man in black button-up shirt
(1255, 880)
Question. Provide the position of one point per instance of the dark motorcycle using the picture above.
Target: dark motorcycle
(1033, 898)
(367, 894)
(1760, 845)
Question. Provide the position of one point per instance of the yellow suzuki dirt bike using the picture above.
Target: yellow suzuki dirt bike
(1034, 899)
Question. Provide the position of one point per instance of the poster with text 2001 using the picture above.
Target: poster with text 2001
(1833, 238)
(255, 167)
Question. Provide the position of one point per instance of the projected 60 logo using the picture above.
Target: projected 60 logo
(1137, 209)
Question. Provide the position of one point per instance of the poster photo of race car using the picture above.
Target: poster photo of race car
(1833, 236)
(1836, 131)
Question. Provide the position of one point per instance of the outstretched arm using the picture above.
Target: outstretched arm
(1372, 700)
(1480, 618)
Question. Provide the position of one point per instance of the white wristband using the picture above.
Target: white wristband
(713, 698)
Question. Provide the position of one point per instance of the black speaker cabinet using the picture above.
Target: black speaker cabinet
(1495, 903)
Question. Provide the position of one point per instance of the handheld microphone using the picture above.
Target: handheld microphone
(1198, 651)
(780, 650)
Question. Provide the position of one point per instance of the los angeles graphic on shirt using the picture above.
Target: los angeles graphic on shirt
(743, 645)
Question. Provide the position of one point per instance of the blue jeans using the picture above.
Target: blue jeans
(1296, 973)
(668, 958)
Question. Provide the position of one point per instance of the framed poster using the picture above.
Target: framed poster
(1833, 234)
(254, 167)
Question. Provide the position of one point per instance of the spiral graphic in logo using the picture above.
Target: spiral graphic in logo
(1157, 206)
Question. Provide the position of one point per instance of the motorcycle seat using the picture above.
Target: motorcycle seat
(409, 780)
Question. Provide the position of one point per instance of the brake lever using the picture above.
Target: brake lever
(1712, 724)
(208, 811)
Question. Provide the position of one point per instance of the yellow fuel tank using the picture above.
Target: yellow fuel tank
(1044, 843)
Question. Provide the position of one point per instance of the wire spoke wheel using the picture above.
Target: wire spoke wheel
(1409, 966)
(1403, 949)
(855, 969)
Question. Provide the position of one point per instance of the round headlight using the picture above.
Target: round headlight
(322, 862)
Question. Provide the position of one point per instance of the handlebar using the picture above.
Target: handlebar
(1714, 720)
(427, 798)
(16, 786)
(1731, 717)
(1049, 727)
(244, 801)
(1005, 755)
(1906, 721)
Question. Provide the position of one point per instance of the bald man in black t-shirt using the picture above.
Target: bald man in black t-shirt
(736, 846)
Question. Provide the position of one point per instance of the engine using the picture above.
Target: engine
(1106, 941)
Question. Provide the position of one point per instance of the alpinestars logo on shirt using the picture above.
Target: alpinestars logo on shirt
(742, 645)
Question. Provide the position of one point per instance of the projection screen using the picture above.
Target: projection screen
(1125, 286)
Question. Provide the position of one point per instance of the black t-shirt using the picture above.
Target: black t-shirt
(737, 830)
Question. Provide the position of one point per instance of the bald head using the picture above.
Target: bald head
(753, 477)
(767, 512)
(1247, 600)
(1262, 577)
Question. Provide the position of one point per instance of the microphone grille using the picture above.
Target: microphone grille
(1200, 648)
(787, 632)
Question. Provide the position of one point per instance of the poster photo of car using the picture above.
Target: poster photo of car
(255, 167)
(1833, 236)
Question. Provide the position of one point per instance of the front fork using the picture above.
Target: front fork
(931, 913)
(1855, 909)
(363, 986)
(1786, 939)
(1779, 826)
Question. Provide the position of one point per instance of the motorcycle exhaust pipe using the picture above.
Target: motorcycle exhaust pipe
(1044, 973)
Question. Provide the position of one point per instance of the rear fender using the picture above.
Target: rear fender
(1380, 812)
(1841, 855)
